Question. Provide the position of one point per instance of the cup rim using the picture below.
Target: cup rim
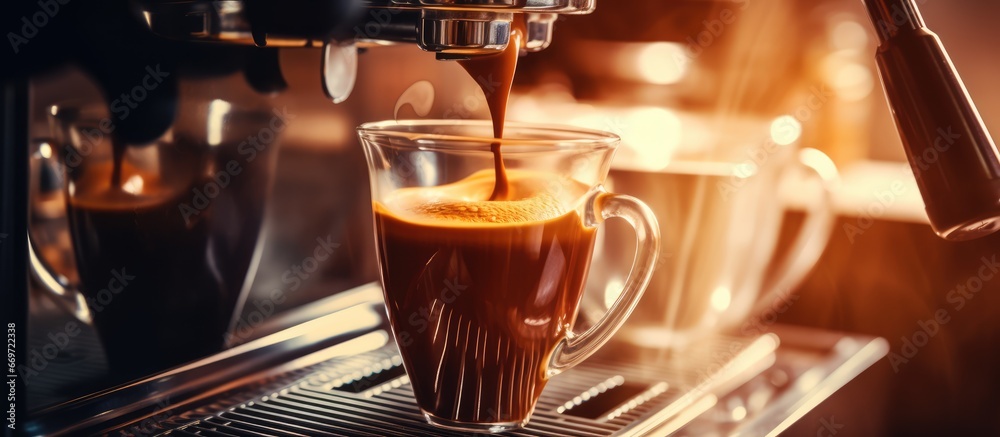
(575, 138)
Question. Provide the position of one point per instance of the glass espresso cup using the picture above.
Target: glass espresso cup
(165, 254)
(725, 269)
(482, 294)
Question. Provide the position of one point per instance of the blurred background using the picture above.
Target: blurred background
(696, 80)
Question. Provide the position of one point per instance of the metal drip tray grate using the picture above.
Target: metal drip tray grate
(369, 394)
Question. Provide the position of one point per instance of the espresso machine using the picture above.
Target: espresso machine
(315, 360)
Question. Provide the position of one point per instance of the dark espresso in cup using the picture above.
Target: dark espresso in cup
(479, 292)
(163, 285)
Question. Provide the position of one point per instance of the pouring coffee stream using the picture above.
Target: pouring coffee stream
(118, 149)
(484, 69)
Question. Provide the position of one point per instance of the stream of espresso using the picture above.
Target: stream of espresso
(490, 70)
(118, 147)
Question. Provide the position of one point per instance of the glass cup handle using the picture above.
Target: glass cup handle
(814, 233)
(59, 288)
(573, 349)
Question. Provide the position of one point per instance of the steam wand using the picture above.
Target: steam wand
(951, 153)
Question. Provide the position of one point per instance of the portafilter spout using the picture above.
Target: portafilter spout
(951, 153)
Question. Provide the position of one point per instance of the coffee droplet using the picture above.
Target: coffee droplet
(419, 97)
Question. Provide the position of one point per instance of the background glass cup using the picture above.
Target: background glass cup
(482, 313)
(164, 261)
(721, 223)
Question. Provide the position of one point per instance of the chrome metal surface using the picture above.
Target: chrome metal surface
(466, 27)
(320, 338)
(540, 27)
(648, 393)
(810, 366)
(345, 397)
(464, 33)
(560, 6)
(335, 371)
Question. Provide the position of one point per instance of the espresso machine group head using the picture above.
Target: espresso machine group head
(111, 40)
(450, 28)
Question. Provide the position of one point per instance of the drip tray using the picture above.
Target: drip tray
(321, 376)
(625, 391)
